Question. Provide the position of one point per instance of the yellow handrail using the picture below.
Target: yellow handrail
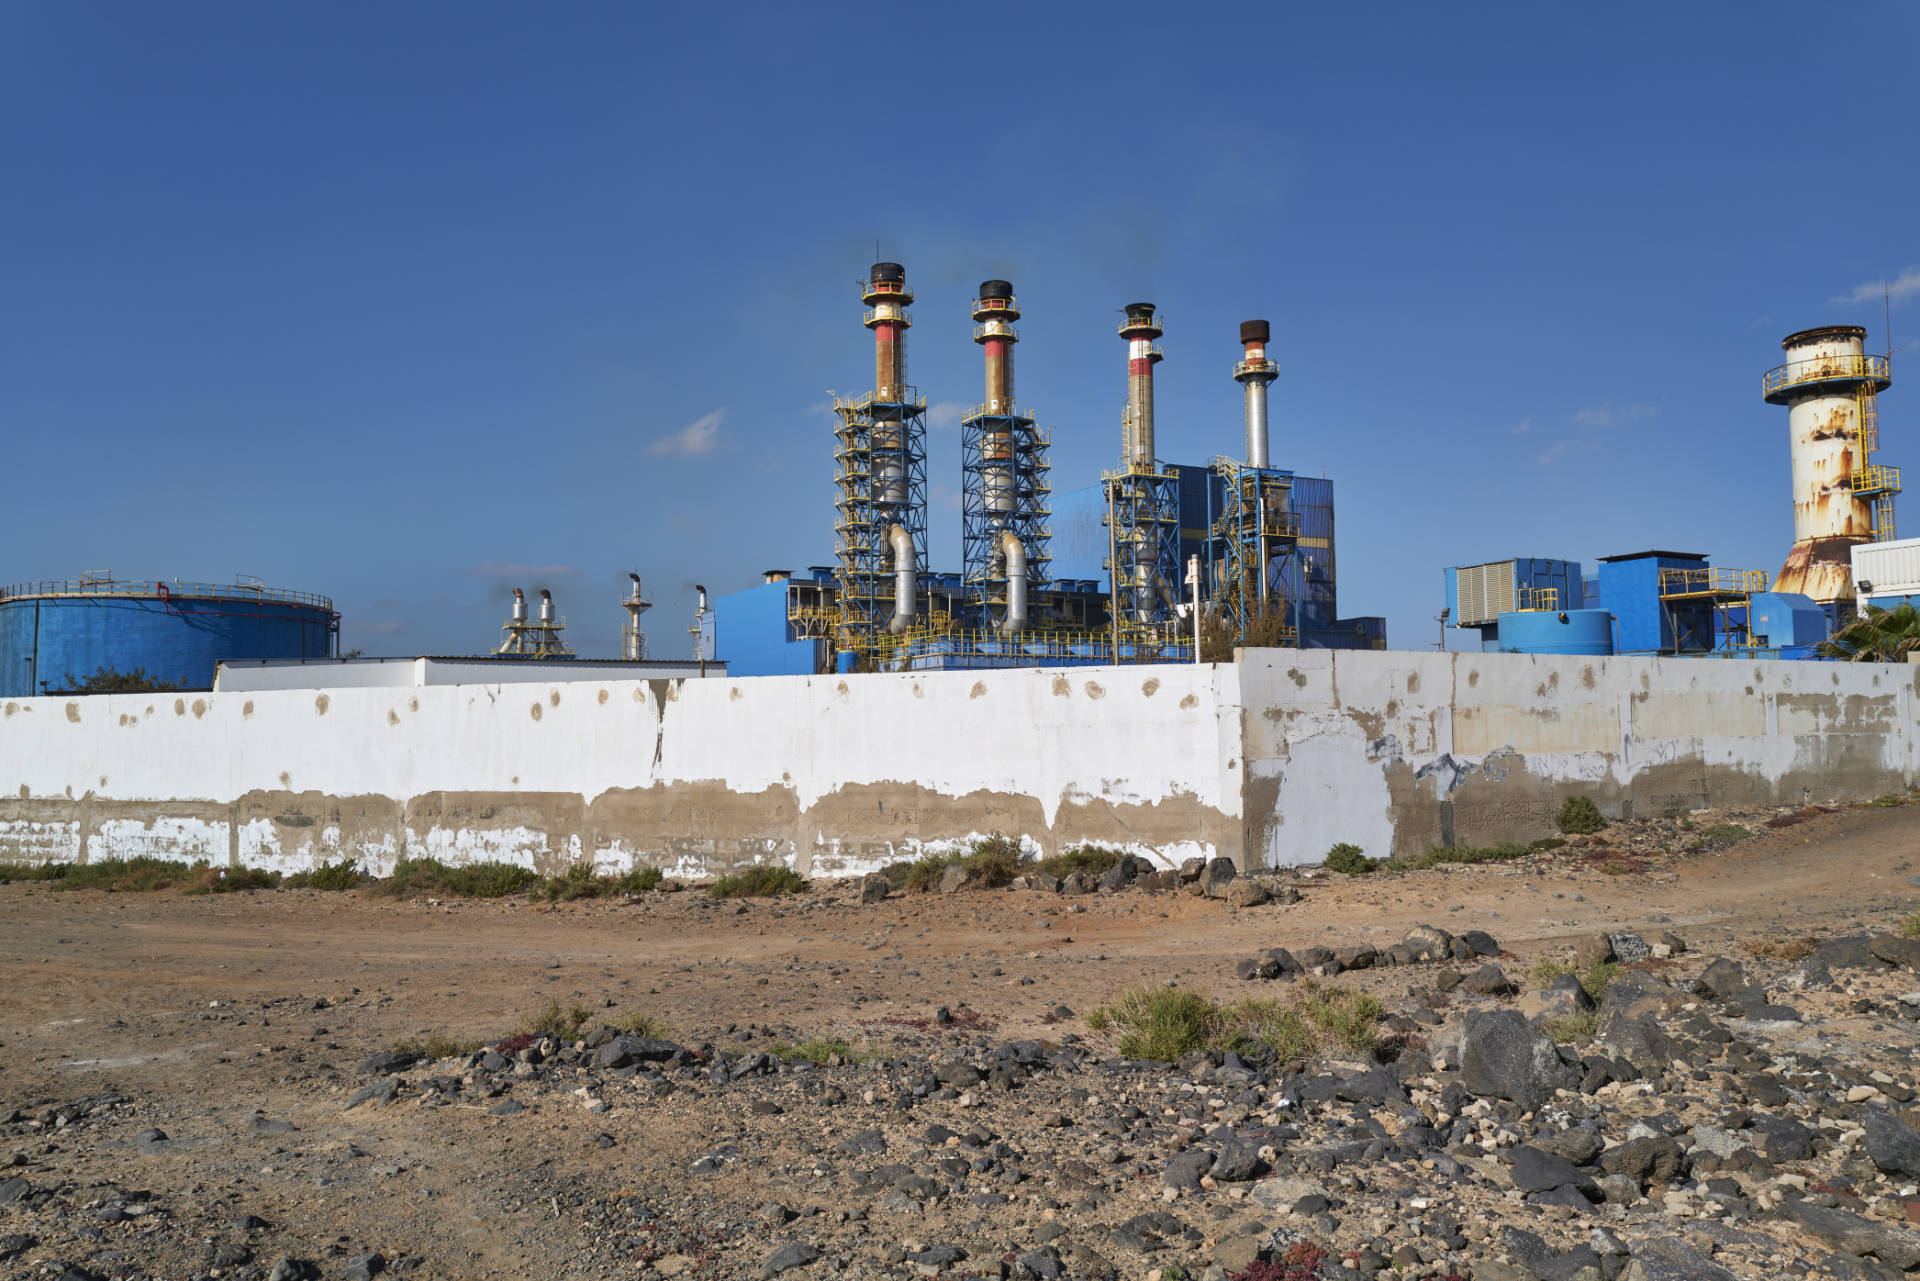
(1826, 369)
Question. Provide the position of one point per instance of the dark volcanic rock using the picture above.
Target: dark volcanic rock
(1856, 1235)
(1501, 1056)
(1722, 978)
(1853, 952)
(1185, 1168)
(794, 1254)
(1671, 1259)
(1219, 874)
(1893, 1147)
(1537, 1171)
(1895, 950)
(624, 1051)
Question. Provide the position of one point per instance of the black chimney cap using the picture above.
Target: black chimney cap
(1255, 331)
(889, 272)
(996, 289)
(1139, 311)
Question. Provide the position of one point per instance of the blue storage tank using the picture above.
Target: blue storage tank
(1545, 631)
(54, 635)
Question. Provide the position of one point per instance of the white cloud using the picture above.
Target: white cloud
(1607, 416)
(701, 436)
(947, 413)
(1523, 428)
(1902, 287)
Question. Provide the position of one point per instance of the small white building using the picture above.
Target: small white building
(1887, 574)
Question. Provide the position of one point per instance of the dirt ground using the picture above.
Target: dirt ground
(234, 1023)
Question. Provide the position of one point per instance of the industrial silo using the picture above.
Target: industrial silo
(56, 634)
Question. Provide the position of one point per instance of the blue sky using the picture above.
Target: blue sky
(411, 303)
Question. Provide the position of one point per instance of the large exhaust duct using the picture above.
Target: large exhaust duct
(1828, 386)
(1254, 372)
(906, 579)
(1140, 329)
(1015, 554)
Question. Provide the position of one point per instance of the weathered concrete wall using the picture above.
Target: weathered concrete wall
(1399, 752)
(1270, 760)
(833, 774)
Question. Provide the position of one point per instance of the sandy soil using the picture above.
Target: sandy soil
(202, 1014)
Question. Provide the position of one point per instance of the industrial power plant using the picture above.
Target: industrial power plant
(1142, 564)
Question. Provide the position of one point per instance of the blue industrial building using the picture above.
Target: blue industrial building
(1308, 578)
(1651, 602)
(54, 635)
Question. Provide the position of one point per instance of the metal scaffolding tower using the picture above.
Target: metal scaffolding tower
(880, 468)
(1254, 542)
(1004, 489)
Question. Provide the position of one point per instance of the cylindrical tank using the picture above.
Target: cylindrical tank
(1543, 631)
(55, 635)
(1254, 372)
(1823, 383)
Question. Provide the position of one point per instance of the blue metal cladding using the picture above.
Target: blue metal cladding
(753, 634)
(1787, 620)
(1576, 631)
(48, 644)
(1630, 591)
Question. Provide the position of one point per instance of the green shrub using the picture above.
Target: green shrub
(1348, 858)
(762, 880)
(437, 1045)
(139, 874)
(1088, 860)
(579, 881)
(344, 875)
(228, 880)
(469, 880)
(1910, 928)
(1596, 980)
(10, 872)
(1721, 835)
(561, 1022)
(1579, 816)
(1574, 1027)
(820, 1049)
(638, 1023)
(1896, 798)
(1469, 854)
(1162, 1024)
(993, 861)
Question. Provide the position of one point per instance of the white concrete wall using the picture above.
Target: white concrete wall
(1270, 760)
(848, 772)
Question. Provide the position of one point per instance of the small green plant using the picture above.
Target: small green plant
(1574, 1027)
(137, 875)
(1088, 860)
(10, 872)
(821, 1049)
(920, 875)
(1910, 928)
(1721, 835)
(469, 880)
(762, 880)
(1579, 816)
(638, 1023)
(436, 1045)
(345, 875)
(1349, 859)
(1595, 981)
(994, 860)
(109, 680)
(1891, 799)
(561, 1022)
(579, 881)
(1469, 854)
(230, 880)
(1162, 1024)
(1795, 949)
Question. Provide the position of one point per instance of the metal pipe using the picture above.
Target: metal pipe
(546, 605)
(906, 578)
(1015, 554)
(1254, 372)
(1140, 329)
(519, 606)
